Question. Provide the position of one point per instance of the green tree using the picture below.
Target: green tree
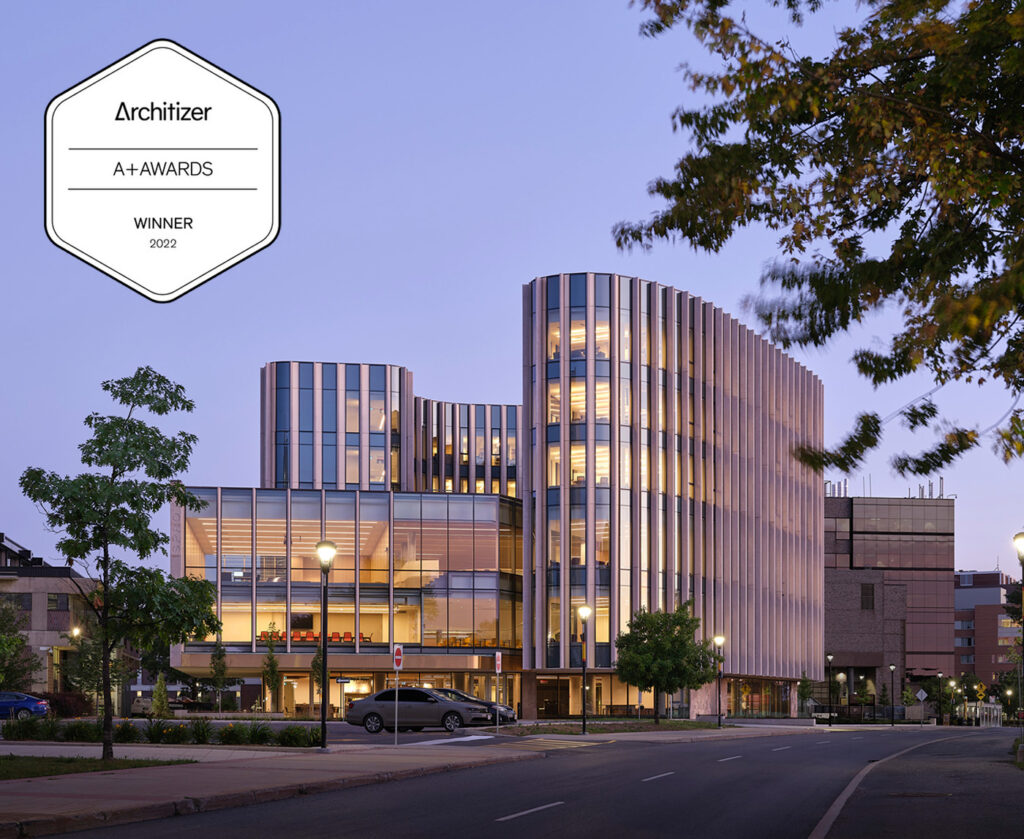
(1012, 605)
(218, 671)
(82, 667)
(272, 677)
(316, 669)
(161, 707)
(893, 172)
(804, 691)
(909, 697)
(883, 695)
(17, 661)
(109, 510)
(659, 652)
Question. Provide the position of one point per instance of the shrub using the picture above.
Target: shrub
(126, 732)
(233, 735)
(68, 703)
(202, 730)
(83, 731)
(160, 705)
(153, 730)
(227, 701)
(50, 728)
(176, 734)
(260, 733)
(21, 729)
(297, 735)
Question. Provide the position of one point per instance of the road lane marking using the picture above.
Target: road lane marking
(655, 777)
(825, 825)
(734, 757)
(450, 740)
(527, 812)
(782, 748)
(823, 741)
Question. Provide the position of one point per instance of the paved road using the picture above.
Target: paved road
(762, 786)
(959, 787)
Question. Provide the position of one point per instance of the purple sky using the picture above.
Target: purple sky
(435, 156)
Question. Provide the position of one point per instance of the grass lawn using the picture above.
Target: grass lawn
(606, 727)
(19, 766)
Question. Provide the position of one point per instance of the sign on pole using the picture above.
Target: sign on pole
(497, 663)
(398, 666)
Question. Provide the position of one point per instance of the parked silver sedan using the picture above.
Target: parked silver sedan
(417, 709)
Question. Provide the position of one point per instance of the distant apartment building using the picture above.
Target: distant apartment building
(984, 636)
(888, 590)
(51, 603)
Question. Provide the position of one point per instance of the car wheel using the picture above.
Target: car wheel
(452, 722)
(24, 714)
(373, 723)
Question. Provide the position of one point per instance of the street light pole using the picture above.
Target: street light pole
(584, 612)
(892, 695)
(829, 657)
(938, 715)
(325, 552)
(720, 642)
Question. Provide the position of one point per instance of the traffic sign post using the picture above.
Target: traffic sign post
(497, 691)
(398, 666)
(921, 697)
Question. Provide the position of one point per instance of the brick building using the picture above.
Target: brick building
(888, 591)
(983, 635)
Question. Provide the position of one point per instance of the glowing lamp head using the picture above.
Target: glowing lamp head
(719, 640)
(325, 552)
(585, 612)
(892, 668)
(1018, 543)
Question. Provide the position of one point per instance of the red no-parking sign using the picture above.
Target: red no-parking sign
(497, 663)
(398, 658)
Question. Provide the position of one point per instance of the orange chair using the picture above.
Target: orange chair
(335, 637)
(348, 637)
(310, 637)
(296, 635)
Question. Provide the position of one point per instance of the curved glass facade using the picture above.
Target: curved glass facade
(660, 470)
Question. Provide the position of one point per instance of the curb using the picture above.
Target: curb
(51, 825)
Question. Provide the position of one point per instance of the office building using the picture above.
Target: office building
(888, 591)
(649, 464)
(983, 635)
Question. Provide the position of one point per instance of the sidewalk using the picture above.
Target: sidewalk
(222, 779)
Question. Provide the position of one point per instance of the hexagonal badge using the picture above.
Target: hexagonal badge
(162, 170)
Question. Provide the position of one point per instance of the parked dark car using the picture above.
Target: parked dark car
(22, 706)
(417, 709)
(507, 714)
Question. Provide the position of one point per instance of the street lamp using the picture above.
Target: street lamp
(76, 632)
(829, 658)
(720, 642)
(892, 695)
(325, 551)
(938, 715)
(584, 612)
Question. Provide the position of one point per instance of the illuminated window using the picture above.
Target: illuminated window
(554, 402)
(602, 334)
(554, 340)
(578, 464)
(625, 401)
(602, 464)
(602, 401)
(554, 464)
(625, 466)
(625, 334)
(578, 334)
(578, 400)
